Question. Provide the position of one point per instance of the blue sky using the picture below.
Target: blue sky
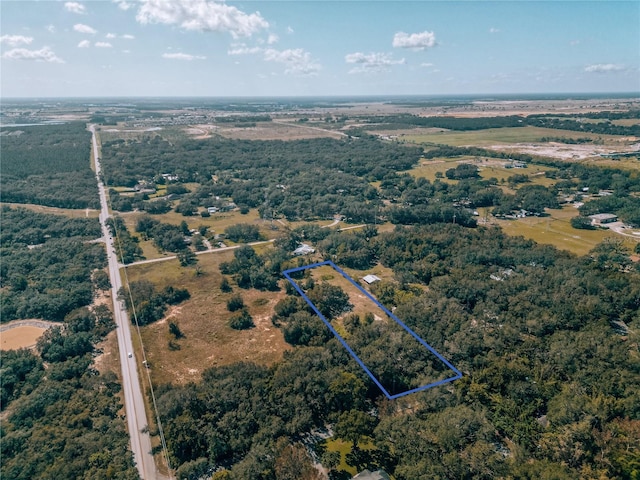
(286, 48)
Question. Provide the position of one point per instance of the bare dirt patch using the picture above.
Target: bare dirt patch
(20, 337)
(561, 150)
(22, 333)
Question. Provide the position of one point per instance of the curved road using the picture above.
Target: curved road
(133, 397)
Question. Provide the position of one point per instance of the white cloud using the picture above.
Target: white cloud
(242, 49)
(372, 62)
(182, 56)
(126, 36)
(126, 51)
(573, 43)
(123, 4)
(45, 54)
(273, 38)
(494, 30)
(75, 7)
(110, 35)
(603, 68)
(201, 15)
(103, 45)
(290, 30)
(426, 65)
(84, 44)
(51, 28)
(82, 28)
(15, 40)
(297, 61)
(415, 41)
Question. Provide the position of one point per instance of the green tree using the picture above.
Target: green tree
(174, 330)
(241, 320)
(187, 258)
(225, 287)
(610, 254)
(235, 303)
(330, 299)
(294, 463)
(353, 425)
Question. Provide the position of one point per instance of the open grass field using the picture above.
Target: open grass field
(68, 212)
(428, 168)
(491, 136)
(622, 163)
(488, 168)
(203, 319)
(276, 130)
(534, 172)
(344, 449)
(216, 222)
(557, 231)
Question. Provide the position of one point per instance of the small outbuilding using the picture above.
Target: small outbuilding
(603, 218)
(369, 279)
(369, 475)
(304, 249)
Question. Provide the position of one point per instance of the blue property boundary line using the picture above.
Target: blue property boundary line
(458, 374)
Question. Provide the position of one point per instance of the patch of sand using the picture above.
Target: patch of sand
(20, 337)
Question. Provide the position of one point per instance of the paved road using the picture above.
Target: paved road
(133, 398)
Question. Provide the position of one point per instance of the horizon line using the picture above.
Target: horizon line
(342, 96)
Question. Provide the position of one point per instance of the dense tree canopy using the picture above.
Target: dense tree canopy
(55, 277)
(544, 339)
(48, 165)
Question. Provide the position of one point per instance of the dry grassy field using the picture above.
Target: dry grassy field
(69, 212)
(208, 341)
(275, 130)
(217, 223)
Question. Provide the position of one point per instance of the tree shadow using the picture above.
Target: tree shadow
(339, 475)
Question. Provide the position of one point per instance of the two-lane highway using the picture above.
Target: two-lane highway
(133, 397)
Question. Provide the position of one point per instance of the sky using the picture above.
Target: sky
(106, 48)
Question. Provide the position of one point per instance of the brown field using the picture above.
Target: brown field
(108, 360)
(203, 319)
(20, 337)
(276, 130)
(69, 212)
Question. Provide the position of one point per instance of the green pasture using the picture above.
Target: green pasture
(626, 122)
(556, 230)
(534, 172)
(488, 168)
(491, 136)
(344, 448)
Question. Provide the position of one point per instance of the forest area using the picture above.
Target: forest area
(47, 268)
(363, 179)
(61, 416)
(48, 165)
(549, 353)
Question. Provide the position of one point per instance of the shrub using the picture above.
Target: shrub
(235, 303)
(241, 321)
